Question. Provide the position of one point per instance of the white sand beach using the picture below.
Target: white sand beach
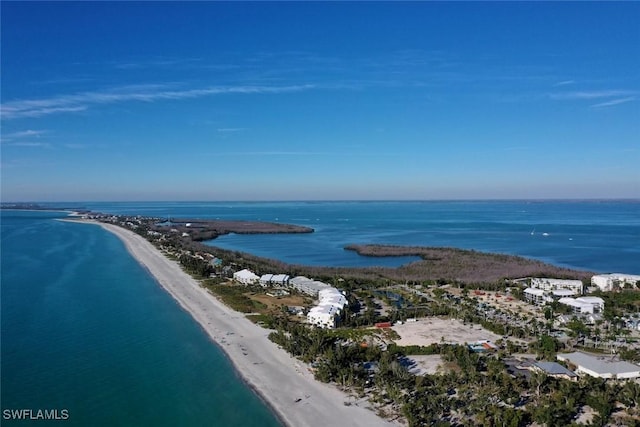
(283, 381)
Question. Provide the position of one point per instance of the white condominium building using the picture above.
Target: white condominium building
(274, 280)
(331, 302)
(606, 282)
(246, 277)
(308, 286)
(552, 284)
(584, 305)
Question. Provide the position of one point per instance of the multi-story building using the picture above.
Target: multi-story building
(331, 302)
(584, 305)
(274, 280)
(607, 282)
(307, 286)
(547, 284)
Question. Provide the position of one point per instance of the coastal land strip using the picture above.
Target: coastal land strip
(205, 229)
(465, 265)
(284, 382)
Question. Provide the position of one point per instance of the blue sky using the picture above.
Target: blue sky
(309, 101)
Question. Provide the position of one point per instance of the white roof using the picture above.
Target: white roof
(305, 282)
(245, 274)
(590, 300)
(563, 292)
(573, 302)
(536, 280)
(534, 291)
(602, 365)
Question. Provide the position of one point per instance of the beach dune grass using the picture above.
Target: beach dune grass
(235, 297)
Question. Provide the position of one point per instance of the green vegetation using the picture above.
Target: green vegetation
(234, 297)
(468, 266)
(265, 320)
(195, 266)
(617, 303)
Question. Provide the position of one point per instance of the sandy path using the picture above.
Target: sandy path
(278, 377)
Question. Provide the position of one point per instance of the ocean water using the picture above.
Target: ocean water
(85, 328)
(600, 236)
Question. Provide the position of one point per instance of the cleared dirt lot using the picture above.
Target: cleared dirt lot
(432, 330)
(426, 364)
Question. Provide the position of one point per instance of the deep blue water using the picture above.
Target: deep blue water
(601, 236)
(87, 329)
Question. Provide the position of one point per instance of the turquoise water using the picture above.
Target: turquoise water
(86, 328)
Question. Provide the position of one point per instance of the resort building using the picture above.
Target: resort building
(584, 305)
(608, 282)
(308, 286)
(536, 296)
(245, 277)
(600, 366)
(323, 316)
(274, 280)
(552, 284)
(331, 302)
(540, 296)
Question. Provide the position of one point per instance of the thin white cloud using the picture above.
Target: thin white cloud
(614, 102)
(25, 134)
(82, 101)
(30, 144)
(10, 113)
(598, 94)
(564, 83)
(155, 63)
(18, 138)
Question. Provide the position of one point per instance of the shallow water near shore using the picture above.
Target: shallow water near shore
(85, 328)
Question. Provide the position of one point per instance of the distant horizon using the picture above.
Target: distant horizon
(600, 199)
(319, 100)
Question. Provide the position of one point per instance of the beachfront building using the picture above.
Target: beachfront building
(584, 305)
(608, 282)
(547, 284)
(307, 286)
(246, 277)
(325, 314)
(274, 280)
(600, 366)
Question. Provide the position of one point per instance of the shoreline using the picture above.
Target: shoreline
(284, 383)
